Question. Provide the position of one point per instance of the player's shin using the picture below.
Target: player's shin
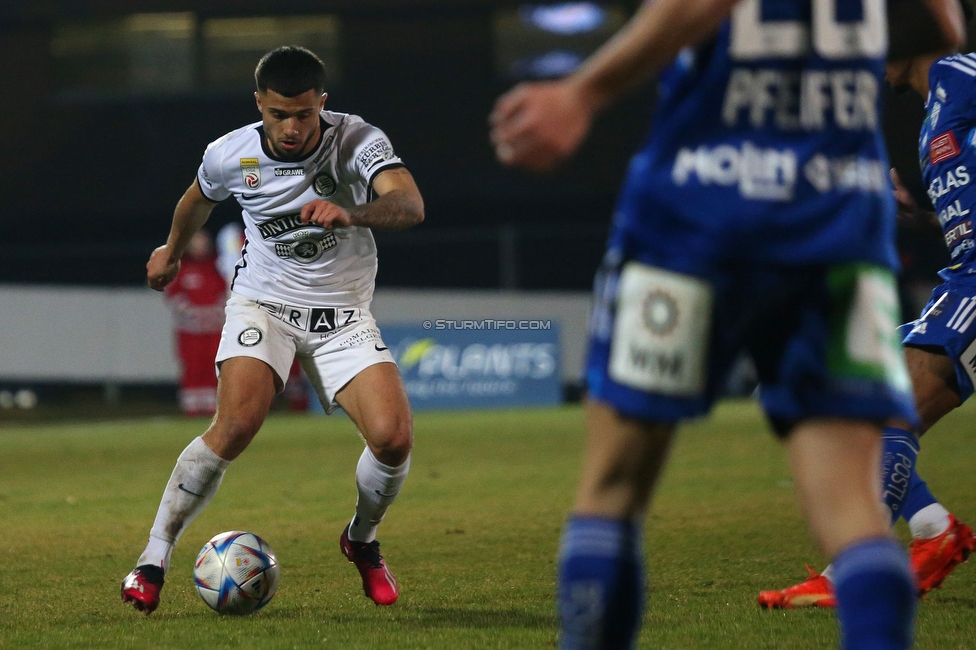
(899, 454)
(378, 486)
(601, 585)
(191, 487)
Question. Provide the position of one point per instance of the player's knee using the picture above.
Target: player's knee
(390, 439)
(229, 435)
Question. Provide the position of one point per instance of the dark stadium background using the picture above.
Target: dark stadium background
(89, 178)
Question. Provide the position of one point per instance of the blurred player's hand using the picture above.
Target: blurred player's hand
(161, 268)
(538, 125)
(907, 207)
(326, 214)
(908, 211)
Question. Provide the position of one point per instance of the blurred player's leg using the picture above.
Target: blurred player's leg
(376, 401)
(836, 467)
(601, 576)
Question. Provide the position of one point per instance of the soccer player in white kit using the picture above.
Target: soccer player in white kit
(312, 184)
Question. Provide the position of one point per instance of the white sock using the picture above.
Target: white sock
(191, 486)
(378, 486)
(828, 573)
(931, 521)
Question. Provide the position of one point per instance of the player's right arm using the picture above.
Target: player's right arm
(192, 211)
(537, 125)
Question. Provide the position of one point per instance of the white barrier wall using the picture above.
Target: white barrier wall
(89, 334)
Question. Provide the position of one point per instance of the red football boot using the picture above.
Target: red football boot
(142, 587)
(815, 591)
(934, 559)
(378, 582)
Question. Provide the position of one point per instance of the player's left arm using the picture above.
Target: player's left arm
(398, 205)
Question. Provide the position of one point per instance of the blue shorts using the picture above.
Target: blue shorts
(948, 322)
(823, 338)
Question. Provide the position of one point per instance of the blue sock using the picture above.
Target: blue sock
(918, 497)
(899, 453)
(875, 596)
(601, 584)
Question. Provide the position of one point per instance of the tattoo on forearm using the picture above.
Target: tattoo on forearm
(393, 211)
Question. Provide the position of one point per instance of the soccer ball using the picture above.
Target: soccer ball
(236, 573)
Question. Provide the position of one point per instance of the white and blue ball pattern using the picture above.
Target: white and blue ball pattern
(236, 573)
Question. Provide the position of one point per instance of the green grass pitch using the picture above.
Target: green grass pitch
(472, 538)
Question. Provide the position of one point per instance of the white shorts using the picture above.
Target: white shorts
(333, 344)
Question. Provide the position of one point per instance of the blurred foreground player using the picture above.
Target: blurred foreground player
(940, 347)
(312, 183)
(197, 296)
(757, 216)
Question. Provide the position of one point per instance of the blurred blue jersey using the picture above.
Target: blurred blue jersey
(947, 155)
(766, 144)
(758, 218)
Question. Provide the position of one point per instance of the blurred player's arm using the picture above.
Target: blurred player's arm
(536, 125)
(398, 205)
(917, 27)
(192, 211)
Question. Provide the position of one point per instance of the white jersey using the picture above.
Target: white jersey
(282, 258)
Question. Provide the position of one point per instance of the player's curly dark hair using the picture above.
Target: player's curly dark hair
(290, 71)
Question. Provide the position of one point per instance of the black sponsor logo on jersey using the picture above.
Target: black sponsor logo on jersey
(324, 185)
(289, 171)
(280, 225)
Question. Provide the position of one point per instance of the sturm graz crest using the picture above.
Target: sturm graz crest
(324, 185)
(306, 250)
(249, 337)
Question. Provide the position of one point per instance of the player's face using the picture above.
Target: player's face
(291, 124)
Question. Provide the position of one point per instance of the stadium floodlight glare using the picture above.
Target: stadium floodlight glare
(551, 65)
(565, 18)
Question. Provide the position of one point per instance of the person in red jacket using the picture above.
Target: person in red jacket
(197, 297)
